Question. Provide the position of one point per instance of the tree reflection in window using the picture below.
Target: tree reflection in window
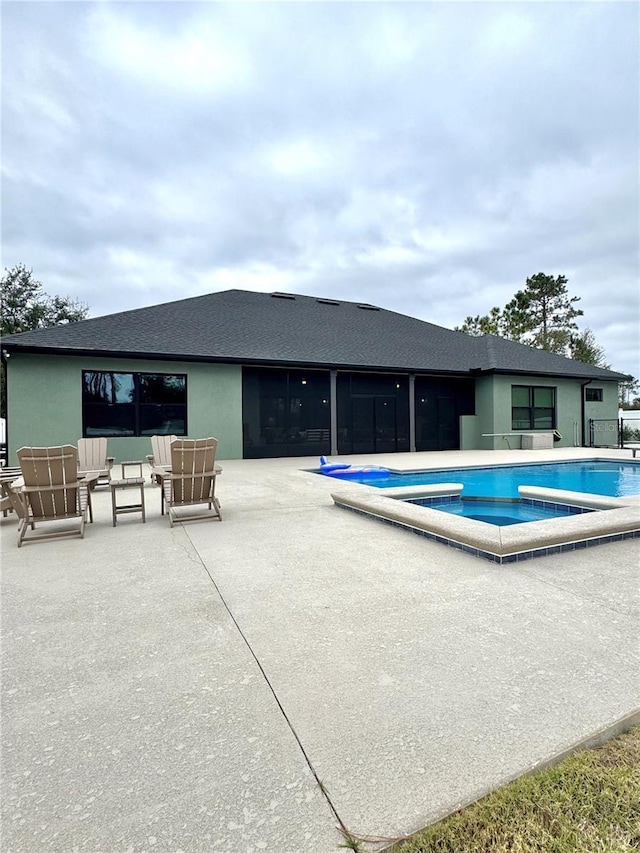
(128, 404)
(103, 387)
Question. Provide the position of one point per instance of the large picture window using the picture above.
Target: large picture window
(125, 404)
(533, 407)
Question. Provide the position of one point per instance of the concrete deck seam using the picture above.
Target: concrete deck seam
(342, 828)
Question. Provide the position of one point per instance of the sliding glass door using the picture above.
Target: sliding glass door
(285, 412)
(373, 413)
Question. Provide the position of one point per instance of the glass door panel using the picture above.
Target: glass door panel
(363, 424)
(447, 424)
(385, 424)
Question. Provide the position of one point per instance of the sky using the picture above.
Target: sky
(425, 157)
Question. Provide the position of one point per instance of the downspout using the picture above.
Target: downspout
(583, 412)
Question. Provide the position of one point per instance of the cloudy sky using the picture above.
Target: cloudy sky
(426, 157)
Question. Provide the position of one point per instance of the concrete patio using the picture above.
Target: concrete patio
(170, 690)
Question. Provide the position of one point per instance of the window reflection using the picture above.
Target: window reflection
(126, 404)
(533, 407)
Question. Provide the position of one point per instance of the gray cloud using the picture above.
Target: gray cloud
(426, 157)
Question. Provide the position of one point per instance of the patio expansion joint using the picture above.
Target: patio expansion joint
(323, 791)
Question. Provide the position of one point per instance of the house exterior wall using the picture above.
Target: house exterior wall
(493, 401)
(485, 413)
(606, 410)
(469, 434)
(45, 402)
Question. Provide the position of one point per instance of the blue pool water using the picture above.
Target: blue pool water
(615, 479)
(499, 512)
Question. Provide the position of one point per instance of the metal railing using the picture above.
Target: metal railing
(612, 432)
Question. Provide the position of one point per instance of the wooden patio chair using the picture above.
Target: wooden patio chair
(92, 457)
(191, 481)
(52, 490)
(7, 477)
(160, 456)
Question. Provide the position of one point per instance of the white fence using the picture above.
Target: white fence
(629, 415)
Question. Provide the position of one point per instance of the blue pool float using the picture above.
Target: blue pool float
(346, 471)
(327, 467)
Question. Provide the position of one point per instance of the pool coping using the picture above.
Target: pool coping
(514, 543)
(503, 463)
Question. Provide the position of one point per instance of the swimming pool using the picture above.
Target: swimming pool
(413, 509)
(499, 512)
(597, 477)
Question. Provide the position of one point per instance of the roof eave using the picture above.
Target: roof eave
(504, 371)
(84, 352)
(190, 357)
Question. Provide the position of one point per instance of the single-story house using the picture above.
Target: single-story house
(280, 374)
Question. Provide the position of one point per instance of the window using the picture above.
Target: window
(593, 395)
(533, 407)
(121, 404)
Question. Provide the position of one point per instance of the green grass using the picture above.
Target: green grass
(588, 803)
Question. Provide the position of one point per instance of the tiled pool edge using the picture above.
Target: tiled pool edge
(557, 506)
(517, 543)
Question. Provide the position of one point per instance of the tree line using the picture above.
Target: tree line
(543, 315)
(26, 306)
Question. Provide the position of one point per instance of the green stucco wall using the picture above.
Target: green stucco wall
(493, 407)
(45, 402)
(469, 435)
(484, 411)
(607, 409)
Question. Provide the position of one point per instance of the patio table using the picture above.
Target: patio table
(131, 478)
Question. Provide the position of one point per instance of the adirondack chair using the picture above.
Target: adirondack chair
(52, 491)
(7, 477)
(191, 480)
(160, 456)
(92, 456)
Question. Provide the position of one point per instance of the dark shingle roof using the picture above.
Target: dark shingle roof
(248, 327)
